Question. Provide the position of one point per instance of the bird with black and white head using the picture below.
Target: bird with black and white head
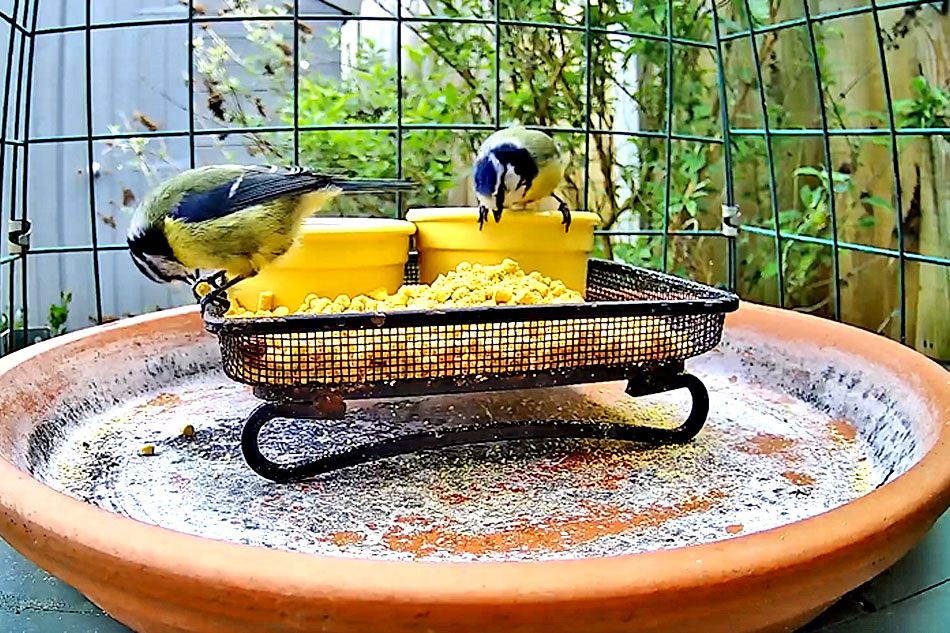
(516, 167)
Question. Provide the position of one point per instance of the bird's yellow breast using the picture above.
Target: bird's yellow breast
(544, 184)
(243, 242)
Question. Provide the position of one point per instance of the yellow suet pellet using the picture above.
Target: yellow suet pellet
(379, 294)
(148, 449)
(319, 305)
(188, 430)
(265, 301)
(202, 289)
(502, 295)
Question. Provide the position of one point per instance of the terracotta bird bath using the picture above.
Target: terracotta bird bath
(826, 457)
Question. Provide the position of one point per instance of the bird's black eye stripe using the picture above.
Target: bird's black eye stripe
(519, 158)
(147, 267)
(142, 269)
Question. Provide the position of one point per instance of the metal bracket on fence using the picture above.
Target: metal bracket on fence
(731, 220)
(18, 233)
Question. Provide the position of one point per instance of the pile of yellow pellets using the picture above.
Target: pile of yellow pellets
(468, 286)
(387, 354)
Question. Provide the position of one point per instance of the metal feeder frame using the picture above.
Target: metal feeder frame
(625, 300)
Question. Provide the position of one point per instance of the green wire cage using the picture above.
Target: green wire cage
(796, 152)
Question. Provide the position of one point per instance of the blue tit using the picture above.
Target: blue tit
(232, 219)
(514, 167)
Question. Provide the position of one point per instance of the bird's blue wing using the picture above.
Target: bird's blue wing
(258, 185)
(250, 189)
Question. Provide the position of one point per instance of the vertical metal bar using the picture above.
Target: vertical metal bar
(829, 168)
(730, 195)
(4, 120)
(588, 63)
(14, 167)
(669, 134)
(191, 84)
(895, 165)
(297, 81)
(399, 201)
(89, 162)
(497, 16)
(24, 211)
(773, 191)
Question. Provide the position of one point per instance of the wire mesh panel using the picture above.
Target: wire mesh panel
(840, 162)
(635, 319)
(668, 113)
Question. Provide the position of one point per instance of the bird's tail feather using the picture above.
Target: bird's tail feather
(369, 185)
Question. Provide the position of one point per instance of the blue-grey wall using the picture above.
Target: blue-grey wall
(140, 69)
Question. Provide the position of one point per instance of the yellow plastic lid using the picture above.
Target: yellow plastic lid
(467, 214)
(357, 225)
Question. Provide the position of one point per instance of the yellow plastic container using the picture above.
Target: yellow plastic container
(445, 237)
(333, 256)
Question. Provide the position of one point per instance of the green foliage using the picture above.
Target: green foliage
(59, 313)
(449, 79)
(57, 317)
(368, 94)
(928, 108)
(805, 265)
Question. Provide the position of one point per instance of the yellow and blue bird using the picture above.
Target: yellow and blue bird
(514, 167)
(232, 219)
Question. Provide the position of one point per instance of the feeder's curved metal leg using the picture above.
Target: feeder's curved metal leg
(250, 437)
(472, 434)
(694, 421)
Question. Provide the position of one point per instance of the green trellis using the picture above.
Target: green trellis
(16, 139)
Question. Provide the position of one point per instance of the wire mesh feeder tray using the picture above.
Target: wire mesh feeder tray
(637, 325)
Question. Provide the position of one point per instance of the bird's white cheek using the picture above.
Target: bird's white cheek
(511, 180)
(513, 194)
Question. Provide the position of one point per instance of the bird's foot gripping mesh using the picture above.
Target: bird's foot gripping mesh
(637, 325)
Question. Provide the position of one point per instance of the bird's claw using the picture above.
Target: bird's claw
(216, 299)
(565, 214)
(482, 216)
(216, 295)
(214, 280)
